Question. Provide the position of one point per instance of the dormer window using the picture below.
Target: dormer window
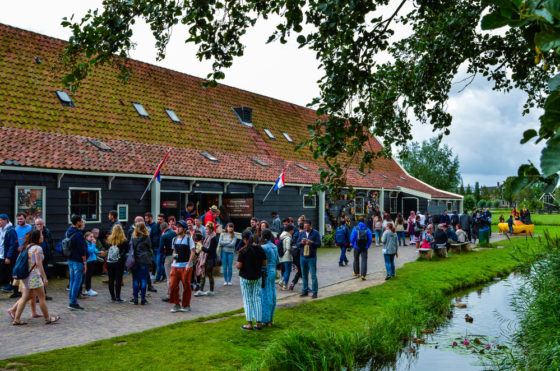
(288, 138)
(269, 133)
(64, 98)
(209, 157)
(141, 110)
(173, 116)
(245, 115)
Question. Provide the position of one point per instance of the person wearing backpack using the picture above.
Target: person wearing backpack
(361, 239)
(390, 250)
(29, 269)
(116, 256)
(74, 248)
(142, 246)
(285, 253)
(342, 241)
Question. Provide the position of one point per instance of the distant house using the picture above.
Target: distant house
(96, 150)
(548, 201)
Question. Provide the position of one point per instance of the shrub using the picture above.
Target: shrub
(482, 203)
(328, 239)
(469, 202)
(496, 204)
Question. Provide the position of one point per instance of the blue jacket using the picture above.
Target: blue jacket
(78, 243)
(92, 252)
(315, 238)
(11, 246)
(354, 235)
(166, 242)
(445, 219)
(155, 234)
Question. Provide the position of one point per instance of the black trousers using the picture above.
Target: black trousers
(115, 271)
(89, 273)
(297, 276)
(357, 266)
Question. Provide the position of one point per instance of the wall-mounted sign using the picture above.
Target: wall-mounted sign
(169, 204)
(238, 207)
(31, 201)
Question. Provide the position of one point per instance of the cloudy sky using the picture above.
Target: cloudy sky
(487, 125)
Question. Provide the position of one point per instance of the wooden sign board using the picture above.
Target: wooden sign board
(239, 207)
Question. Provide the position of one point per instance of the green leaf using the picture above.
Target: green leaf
(544, 15)
(494, 20)
(553, 6)
(550, 156)
(547, 40)
(527, 135)
(301, 39)
(554, 82)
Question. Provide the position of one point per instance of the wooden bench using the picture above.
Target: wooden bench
(441, 250)
(461, 246)
(425, 253)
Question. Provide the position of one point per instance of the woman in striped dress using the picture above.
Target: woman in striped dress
(268, 291)
(250, 263)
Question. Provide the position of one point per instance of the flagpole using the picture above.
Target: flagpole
(155, 174)
(270, 190)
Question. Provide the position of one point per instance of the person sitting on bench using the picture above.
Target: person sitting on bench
(461, 234)
(440, 237)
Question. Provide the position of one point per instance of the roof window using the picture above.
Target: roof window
(64, 98)
(209, 156)
(288, 138)
(100, 145)
(403, 178)
(269, 133)
(262, 163)
(173, 116)
(37, 60)
(141, 110)
(301, 166)
(384, 176)
(245, 115)
(360, 172)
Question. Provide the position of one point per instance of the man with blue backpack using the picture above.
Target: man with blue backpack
(361, 238)
(342, 240)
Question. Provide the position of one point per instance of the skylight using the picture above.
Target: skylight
(403, 178)
(244, 114)
(209, 156)
(100, 145)
(172, 116)
(141, 110)
(64, 98)
(288, 138)
(262, 163)
(384, 176)
(360, 172)
(269, 133)
(301, 166)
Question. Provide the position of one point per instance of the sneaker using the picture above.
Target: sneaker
(48, 297)
(186, 309)
(314, 296)
(363, 278)
(75, 307)
(200, 293)
(91, 293)
(230, 284)
(355, 274)
(120, 301)
(210, 293)
(387, 278)
(152, 277)
(135, 302)
(9, 288)
(291, 287)
(144, 302)
(340, 265)
(305, 293)
(165, 299)
(175, 308)
(151, 289)
(284, 287)
(67, 288)
(225, 283)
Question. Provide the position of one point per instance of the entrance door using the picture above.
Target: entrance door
(409, 204)
(203, 201)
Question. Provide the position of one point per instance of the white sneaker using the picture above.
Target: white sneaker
(175, 308)
(225, 283)
(230, 284)
(185, 309)
(200, 293)
(91, 293)
(210, 293)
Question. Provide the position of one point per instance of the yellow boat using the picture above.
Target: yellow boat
(518, 227)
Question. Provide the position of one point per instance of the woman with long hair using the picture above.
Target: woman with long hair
(410, 228)
(390, 250)
(142, 246)
(399, 228)
(33, 285)
(207, 260)
(116, 257)
(268, 291)
(227, 244)
(250, 262)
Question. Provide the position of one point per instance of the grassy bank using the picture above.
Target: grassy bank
(320, 334)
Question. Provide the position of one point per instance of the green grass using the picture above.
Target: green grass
(538, 219)
(322, 334)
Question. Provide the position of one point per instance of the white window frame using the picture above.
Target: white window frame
(140, 109)
(449, 205)
(70, 189)
(362, 203)
(393, 197)
(287, 136)
(44, 207)
(269, 133)
(119, 206)
(314, 197)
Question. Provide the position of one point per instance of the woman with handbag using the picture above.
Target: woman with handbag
(142, 246)
(116, 256)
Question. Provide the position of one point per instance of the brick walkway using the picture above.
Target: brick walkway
(102, 319)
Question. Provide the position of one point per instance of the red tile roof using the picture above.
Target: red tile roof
(38, 131)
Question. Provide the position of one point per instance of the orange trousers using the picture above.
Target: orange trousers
(180, 275)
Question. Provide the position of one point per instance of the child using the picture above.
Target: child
(510, 225)
(91, 263)
(502, 218)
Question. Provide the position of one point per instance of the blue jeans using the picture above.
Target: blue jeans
(76, 273)
(400, 236)
(309, 265)
(390, 264)
(140, 280)
(377, 236)
(160, 268)
(227, 265)
(343, 258)
(287, 271)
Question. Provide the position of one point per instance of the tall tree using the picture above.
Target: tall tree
(359, 95)
(469, 190)
(432, 163)
(484, 193)
(476, 192)
(462, 189)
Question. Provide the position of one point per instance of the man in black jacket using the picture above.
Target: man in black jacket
(76, 261)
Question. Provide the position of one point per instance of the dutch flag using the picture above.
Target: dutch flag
(280, 182)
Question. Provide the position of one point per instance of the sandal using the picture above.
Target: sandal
(245, 327)
(52, 320)
(11, 313)
(37, 315)
(19, 323)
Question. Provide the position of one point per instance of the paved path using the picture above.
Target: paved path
(102, 319)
